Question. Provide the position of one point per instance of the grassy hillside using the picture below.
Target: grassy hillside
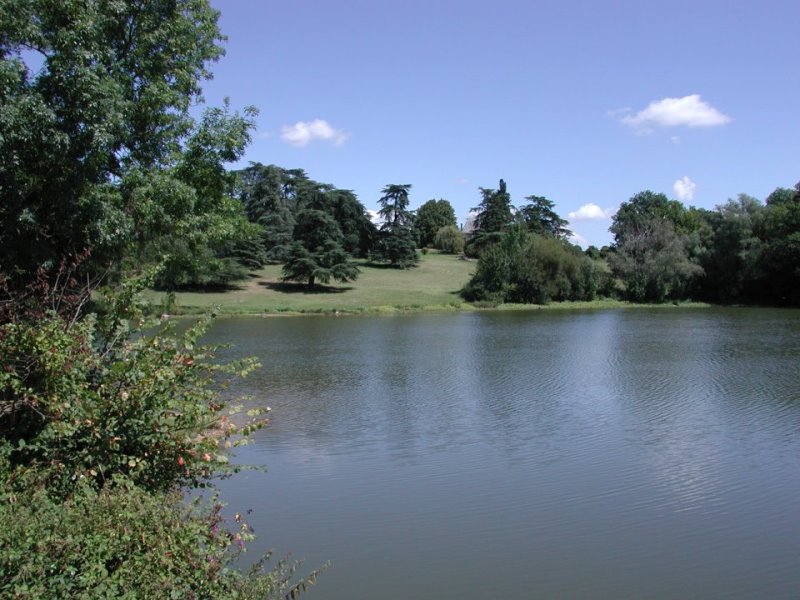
(433, 284)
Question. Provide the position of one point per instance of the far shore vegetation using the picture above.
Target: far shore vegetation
(433, 285)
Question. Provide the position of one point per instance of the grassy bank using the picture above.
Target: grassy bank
(600, 303)
(432, 285)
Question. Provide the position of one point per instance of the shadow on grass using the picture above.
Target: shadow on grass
(301, 288)
(386, 266)
(217, 288)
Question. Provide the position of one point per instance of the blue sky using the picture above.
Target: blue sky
(586, 103)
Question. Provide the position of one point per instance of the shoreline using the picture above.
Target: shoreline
(222, 311)
(432, 286)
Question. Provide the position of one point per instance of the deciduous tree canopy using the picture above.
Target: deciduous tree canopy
(430, 218)
(99, 150)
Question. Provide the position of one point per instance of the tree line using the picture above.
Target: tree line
(742, 252)
(315, 230)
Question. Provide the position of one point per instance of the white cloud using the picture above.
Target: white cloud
(688, 111)
(469, 224)
(675, 140)
(591, 212)
(461, 181)
(684, 188)
(618, 112)
(579, 240)
(303, 132)
(375, 217)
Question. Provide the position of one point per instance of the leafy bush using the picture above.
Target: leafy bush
(114, 395)
(103, 418)
(124, 542)
(450, 239)
(529, 268)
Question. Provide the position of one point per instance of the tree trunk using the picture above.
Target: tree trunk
(311, 281)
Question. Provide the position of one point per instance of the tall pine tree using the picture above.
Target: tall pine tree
(396, 244)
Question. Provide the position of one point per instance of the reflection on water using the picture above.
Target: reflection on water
(621, 454)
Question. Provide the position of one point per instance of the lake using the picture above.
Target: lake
(613, 454)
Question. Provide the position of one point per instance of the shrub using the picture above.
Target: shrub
(124, 542)
(529, 268)
(114, 395)
(103, 418)
(450, 240)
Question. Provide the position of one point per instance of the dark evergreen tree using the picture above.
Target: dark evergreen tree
(317, 254)
(494, 213)
(492, 216)
(396, 244)
(540, 217)
(262, 192)
(357, 229)
(272, 196)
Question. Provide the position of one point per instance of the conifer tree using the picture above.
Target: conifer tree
(396, 244)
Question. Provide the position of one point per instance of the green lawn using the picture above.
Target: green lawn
(432, 285)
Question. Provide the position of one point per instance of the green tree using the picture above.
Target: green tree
(358, 232)
(652, 240)
(530, 268)
(449, 239)
(494, 213)
(430, 218)
(110, 101)
(261, 191)
(394, 207)
(540, 217)
(101, 164)
(396, 244)
(779, 231)
(317, 253)
(732, 256)
(99, 150)
(272, 196)
(214, 230)
(648, 205)
(492, 216)
(593, 252)
(652, 261)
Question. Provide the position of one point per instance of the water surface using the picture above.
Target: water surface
(612, 454)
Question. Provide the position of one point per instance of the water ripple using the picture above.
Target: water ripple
(571, 455)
